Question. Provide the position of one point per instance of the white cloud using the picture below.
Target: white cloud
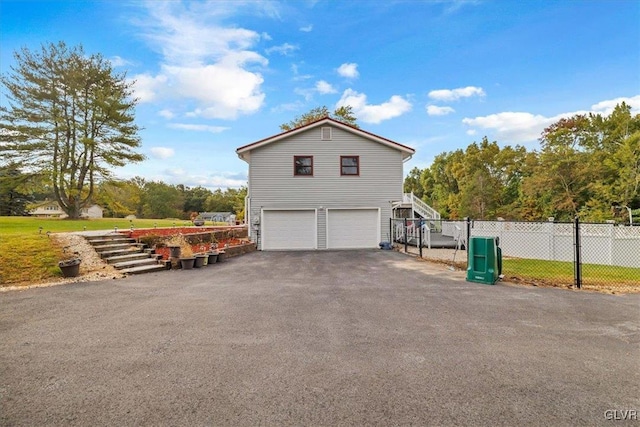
(283, 49)
(291, 106)
(162, 152)
(166, 113)
(117, 61)
(324, 88)
(222, 90)
(204, 61)
(526, 127)
(434, 110)
(307, 93)
(198, 128)
(367, 113)
(265, 36)
(146, 87)
(349, 70)
(513, 126)
(307, 29)
(211, 181)
(606, 107)
(455, 94)
(296, 73)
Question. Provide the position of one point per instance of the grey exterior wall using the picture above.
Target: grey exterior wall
(273, 185)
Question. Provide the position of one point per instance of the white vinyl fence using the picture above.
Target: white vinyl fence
(605, 244)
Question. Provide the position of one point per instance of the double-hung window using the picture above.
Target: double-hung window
(350, 165)
(303, 165)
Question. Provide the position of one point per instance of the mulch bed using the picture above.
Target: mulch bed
(203, 239)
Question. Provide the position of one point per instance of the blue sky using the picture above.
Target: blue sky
(436, 75)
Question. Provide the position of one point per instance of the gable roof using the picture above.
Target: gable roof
(246, 149)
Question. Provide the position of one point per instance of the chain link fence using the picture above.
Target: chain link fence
(579, 255)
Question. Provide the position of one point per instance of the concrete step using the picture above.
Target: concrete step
(135, 263)
(102, 248)
(111, 236)
(127, 257)
(99, 242)
(143, 269)
(117, 252)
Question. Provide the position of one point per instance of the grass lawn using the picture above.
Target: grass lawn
(559, 272)
(28, 256)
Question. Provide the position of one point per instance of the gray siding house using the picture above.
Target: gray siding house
(325, 185)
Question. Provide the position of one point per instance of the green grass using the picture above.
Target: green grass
(10, 225)
(561, 273)
(28, 256)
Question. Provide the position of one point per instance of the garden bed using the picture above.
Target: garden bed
(201, 239)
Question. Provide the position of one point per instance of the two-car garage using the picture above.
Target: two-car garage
(339, 228)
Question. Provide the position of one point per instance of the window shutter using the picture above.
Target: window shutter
(325, 134)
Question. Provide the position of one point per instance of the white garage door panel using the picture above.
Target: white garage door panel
(289, 229)
(353, 228)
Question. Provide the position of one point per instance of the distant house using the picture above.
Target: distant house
(325, 185)
(217, 216)
(51, 209)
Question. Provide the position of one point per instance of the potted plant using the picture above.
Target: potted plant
(70, 265)
(175, 244)
(213, 257)
(181, 252)
(200, 259)
(187, 260)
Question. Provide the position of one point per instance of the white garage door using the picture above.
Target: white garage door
(289, 229)
(353, 228)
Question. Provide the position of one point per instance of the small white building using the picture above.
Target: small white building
(51, 209)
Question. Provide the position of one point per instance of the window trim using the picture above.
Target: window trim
(342, 173)
(295, 169)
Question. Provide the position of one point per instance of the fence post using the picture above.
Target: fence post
(468, 239)
(390, 236)
(420, 237)
(577, 263)
(406, 243)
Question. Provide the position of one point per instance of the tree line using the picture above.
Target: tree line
(588, 165)
(145, 199)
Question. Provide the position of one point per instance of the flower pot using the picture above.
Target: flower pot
(199, 260)
(213, 258)
(174, 251)
(221, 256)
(187, 263)
(70, 267)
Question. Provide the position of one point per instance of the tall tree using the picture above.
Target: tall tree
(195, 198)
(342, 114)
(14, 193)
(120, 198)
(71, 118)
(161, 200)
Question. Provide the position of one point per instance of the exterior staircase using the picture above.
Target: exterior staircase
(125, 254)
(419, 208)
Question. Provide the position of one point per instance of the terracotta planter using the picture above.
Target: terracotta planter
(199, 260)
(187, 263)
(70, 267)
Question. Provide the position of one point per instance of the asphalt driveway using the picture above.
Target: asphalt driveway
(317, 338)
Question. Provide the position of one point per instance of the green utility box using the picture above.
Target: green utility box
(485, 260)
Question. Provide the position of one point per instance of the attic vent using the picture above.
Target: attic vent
(325, 134)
